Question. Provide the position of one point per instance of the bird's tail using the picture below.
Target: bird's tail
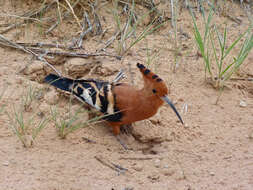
(62, 83)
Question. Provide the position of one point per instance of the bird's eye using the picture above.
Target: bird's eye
(154, 91)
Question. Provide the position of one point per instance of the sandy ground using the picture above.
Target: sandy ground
(214, 150)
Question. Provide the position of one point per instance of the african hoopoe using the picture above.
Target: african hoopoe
(121, 103)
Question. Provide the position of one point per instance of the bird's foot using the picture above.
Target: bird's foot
(121, 142)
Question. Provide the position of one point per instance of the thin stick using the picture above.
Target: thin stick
(40, 57)
(21, 17)
(42, 44)
(39, 10)
(136, 158)
(110, 164)
(12, 26)
(61, 18)
(84, 32)
(121, 75)
(72, 10)
(110, 41)
(33, 51)
(98, 25)
(27, 16)
(88, 140)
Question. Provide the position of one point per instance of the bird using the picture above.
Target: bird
(121, 103)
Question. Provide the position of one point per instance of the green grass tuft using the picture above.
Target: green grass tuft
(221, 71)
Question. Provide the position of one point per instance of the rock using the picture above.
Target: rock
(104, 70)
(28, 140)
(243, 104)
(157, 163)
(78, 67)
(179, 175)
(138, 167)
(34, 67)
(6, 163)
(168, 172)
(52, 97)
(212, 173)
(154, 177)
(186, 125)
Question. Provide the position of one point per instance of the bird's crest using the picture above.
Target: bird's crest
(153, 81)
(148, 74)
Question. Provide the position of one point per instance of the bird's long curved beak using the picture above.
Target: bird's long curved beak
(166, 99)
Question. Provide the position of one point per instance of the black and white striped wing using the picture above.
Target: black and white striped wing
(98, 94)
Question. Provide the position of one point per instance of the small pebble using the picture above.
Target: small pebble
(212, 173)
(157, 163)
(154, 177)
(34, 67)
(186, 125)
(6, 163)
(251, 135)
(243, 104)
(168, 172)
(138, 167)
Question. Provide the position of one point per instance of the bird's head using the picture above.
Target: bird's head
(156, 86)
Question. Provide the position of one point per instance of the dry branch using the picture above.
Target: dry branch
(84, 32)
(5, 42)
(111, 165)
(36, 50)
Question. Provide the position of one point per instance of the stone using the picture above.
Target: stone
(138, 167)
(157, 163)
(243, 104)
(79, 67)
(6, 163)
(33, 68)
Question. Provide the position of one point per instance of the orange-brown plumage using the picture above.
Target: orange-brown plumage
(140, 104)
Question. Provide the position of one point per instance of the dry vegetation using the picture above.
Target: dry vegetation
(202, 49)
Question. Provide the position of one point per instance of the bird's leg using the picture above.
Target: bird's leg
(126, 129)
(116, 131)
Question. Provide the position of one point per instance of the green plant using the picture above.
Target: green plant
(26, 130)
(152, 55)
(72, 122)
(26, 125)
(174, 14)
(130, 28)
(208, 49)
(28, 97)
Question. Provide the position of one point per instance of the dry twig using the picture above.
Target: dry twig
(28, 16)
(36, 51)
(84, 32)
(61, 18)
(6, 42)
(136, 158)
(111, 165)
